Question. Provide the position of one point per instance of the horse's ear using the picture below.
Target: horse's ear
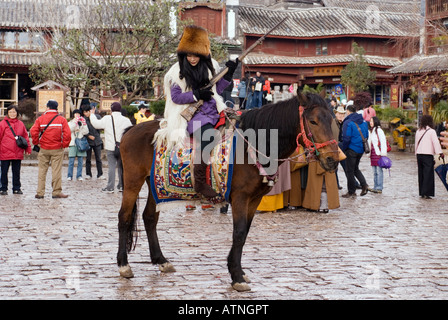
(302, 97)
(323, 94)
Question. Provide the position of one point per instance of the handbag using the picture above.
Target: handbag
(365, 142)
(82, 144)
(21, 141)
(385, 162)
(117, 144)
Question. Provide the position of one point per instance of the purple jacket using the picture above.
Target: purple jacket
(207, 113)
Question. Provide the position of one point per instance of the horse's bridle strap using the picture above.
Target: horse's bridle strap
(310, 145)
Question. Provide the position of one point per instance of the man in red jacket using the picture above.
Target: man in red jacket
(52, 133)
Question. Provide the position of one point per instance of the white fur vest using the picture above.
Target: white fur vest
(173, 128)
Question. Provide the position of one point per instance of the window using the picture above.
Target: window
(9, 40)
(321, 48)
(37, 40)
(21, 40)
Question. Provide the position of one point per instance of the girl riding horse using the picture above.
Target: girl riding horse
(186, 83)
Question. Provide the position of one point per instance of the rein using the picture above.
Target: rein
(310, 148)
(310, 145)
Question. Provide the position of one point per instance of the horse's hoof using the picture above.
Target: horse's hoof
(246, 278)
(241, 286)
(166, 267)
(126, 272)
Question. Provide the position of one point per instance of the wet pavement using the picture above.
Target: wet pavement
(380, 246)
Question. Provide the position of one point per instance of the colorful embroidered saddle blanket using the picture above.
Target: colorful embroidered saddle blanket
(172, 179)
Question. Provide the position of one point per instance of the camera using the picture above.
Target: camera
(36, 148)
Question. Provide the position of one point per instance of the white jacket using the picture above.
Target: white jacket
(77, 131)
(121, 123)
(375, 135)
(173, 128)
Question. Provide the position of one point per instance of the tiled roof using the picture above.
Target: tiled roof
(411, 6)
(421, 64)
(46, 13)
(316, 22)
(266, 59)
(20, 58)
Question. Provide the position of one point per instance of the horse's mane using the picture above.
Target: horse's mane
(283, 116)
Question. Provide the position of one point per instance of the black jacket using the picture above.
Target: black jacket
(94, 132)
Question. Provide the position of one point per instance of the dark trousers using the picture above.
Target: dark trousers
(242, 103)
(203, 142)
(15, 164)
(352, 170)
(99, 163)
(425, 165)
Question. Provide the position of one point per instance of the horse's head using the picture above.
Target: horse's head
(315, 133)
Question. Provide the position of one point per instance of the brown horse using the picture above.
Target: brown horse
(310, 127)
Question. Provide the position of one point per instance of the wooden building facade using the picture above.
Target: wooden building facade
(314, 45)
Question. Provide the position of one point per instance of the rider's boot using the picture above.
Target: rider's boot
(200, 181)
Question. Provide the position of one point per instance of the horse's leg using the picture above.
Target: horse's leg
(243, 212)
(150, 218)
(126, 221)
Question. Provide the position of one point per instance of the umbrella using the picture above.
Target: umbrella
(441, 171)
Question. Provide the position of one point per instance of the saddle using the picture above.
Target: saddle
(171, 178)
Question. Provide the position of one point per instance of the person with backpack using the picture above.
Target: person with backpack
(79, 129)
(114, 126)
(354, 129)
(51, 134)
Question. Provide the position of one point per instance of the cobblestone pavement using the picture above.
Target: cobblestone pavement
(387, 246)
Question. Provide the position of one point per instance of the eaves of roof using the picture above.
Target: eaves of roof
(422, 64)
(20, 58)
(319, 22)
(267, 59)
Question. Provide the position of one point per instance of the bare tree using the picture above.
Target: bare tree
(111, 48)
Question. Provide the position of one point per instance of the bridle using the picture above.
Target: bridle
(310, 147)
(309, 144)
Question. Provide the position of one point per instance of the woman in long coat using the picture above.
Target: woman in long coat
(10, 153)
(321, 193)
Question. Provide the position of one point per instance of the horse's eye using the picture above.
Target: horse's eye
(313, 122)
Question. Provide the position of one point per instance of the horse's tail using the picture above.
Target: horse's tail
(132, 230)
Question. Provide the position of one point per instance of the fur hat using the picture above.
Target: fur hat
(195, 41)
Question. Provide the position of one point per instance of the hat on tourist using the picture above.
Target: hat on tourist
(52, 104)
(340, 109)
(116, 106)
